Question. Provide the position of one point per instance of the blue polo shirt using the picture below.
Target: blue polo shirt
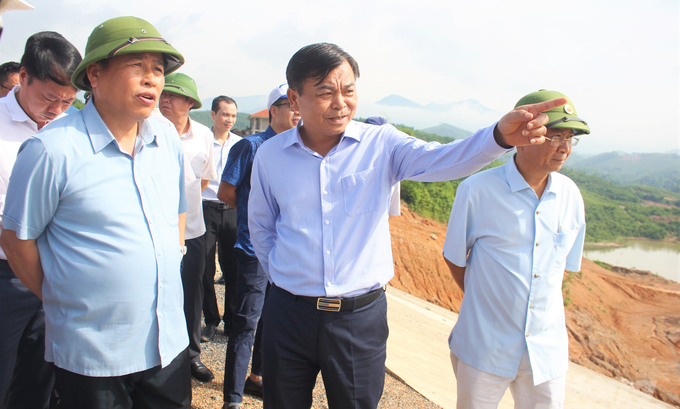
(106, 226)
(237, 173)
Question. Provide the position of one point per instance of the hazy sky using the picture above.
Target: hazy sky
(618, 60)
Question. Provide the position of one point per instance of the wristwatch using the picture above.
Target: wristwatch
(183, 249)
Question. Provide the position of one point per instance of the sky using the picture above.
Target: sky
(618, 60)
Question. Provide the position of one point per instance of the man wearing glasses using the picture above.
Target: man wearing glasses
(252, 280)
(513, 230)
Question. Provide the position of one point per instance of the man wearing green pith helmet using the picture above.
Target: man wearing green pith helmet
(179, 96)
(95, 217)
(513, 230)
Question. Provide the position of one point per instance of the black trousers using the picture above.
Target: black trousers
(193, 267)
(26, 380)
(348, 347)
(167, 388)
(220, 234)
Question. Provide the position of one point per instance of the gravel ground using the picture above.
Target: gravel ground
(209, 395)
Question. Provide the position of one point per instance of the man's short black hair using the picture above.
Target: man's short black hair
(222, 98)
(316, 61)
(8, 69)
(49, 56)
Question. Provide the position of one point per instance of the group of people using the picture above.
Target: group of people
(112, 216)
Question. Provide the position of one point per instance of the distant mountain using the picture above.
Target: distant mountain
(398, 101)
(469, 103)
(466, 114)
(661, 170)
(448, 130)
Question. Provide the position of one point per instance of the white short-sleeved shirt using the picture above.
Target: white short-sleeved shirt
(221, 155)
(520, 246)
(197, 144)
(15, 127)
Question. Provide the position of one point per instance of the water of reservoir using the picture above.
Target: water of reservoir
(658, 257)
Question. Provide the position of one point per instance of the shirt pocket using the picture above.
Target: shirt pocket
(361, 192)
(167, 191)
(562, 243)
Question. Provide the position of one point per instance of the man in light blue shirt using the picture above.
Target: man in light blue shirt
(43, 94)
(94, 225)
(318, 218)
(513, 230)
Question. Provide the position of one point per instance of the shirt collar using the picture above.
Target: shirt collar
(100, 135)
(15, 109)
(215, 143)
(516, 180)
(351, 131)
(190, 133)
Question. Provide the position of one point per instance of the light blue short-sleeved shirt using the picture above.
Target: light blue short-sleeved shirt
(107, 231)
(319, 225)
(520, 246)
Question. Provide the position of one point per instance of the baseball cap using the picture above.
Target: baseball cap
(277, 93)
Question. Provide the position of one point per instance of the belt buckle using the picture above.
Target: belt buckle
(328, 304)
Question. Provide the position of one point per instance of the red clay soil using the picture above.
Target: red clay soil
(622, 323)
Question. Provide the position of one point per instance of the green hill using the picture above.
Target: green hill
(661, 170)
(612, 211)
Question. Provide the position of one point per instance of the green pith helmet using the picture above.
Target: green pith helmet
(560, 117)
(124, 35)
(182, 84)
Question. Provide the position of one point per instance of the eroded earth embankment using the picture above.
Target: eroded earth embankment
(622, 323)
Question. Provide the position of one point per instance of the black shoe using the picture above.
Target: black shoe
(207, 333)
(253, 388)
(220, 280)
(201, 372)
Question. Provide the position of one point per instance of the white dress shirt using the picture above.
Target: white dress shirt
(520, 246)
(221, 155)
(199, 159)
(15, 127)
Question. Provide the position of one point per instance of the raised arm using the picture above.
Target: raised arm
(524, 124)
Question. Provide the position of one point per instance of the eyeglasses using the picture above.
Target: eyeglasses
(282, 104)
(4, 87)
(559, 140)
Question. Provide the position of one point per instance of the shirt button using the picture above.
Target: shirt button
(325, 192)
(527, 334)
(328, 252)
(538, 211)
(323, 161)
(531, 306)
(536, 244)
(535, 275)
(328, 222)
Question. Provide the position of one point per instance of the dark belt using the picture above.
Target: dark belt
(342, 304)
(217, 205)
